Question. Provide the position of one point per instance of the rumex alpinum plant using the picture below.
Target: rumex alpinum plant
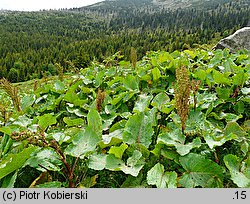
(99, 99)
(182, 95)
(133, 57)
(12, 91)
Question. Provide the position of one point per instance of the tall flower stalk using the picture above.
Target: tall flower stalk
(182, 95)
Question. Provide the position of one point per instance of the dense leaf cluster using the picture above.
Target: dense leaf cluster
(116, 125)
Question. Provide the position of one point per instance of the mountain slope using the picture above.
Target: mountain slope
(156, 4)
(34, 43)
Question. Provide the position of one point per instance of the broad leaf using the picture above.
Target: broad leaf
(160, 100)
(135, 158)
(84, 142)
(97, 161)
(59, 87)
(60, 137)
(134, 164)
(233, 163)
(95, 121)
(131, 83)
(118, 151)
(113, 163)
(15, 161)
(177, 139)
(233, 128)
(142, 104)
(200, 172)
(156, 74)
(27, 101)
(23, 121)
(220, 78)
(46, 159)
(46, 120)
(215, 136)
(138, 130)
(240, 78)
(117, 134)
(73, 122)
(132, 170)
(157, 176)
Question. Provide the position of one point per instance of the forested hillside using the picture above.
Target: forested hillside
(34, 44)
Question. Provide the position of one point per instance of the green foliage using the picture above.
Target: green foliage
(138, 130)
(133, 137)
(46, 120)
(15, 161)
(239, 174)
(200, 172)
(84, 142)
(157, 176)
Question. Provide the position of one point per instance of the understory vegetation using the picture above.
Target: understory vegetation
(171, 119)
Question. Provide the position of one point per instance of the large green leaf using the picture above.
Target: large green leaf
(115, 135)
(221, 78)
(95, 121)
(97, 161)
(131, 83)
(134, 164)
(73, 122)
(60, 137)
(83, 142)
(111, 162)
(132, 170)
(233, 128)
(45, 159)
(156, 74)
(138, 130)
(27, 101)
(200, 172)
(233, 163)
(157, 176)
(59, 87)
(15, 161)
(224, 93)
(46, 120)
(118, 151)
(177, 139)
(142, 104)
(160, 100)
(240, 78)
(23, 121)
(215, 136)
